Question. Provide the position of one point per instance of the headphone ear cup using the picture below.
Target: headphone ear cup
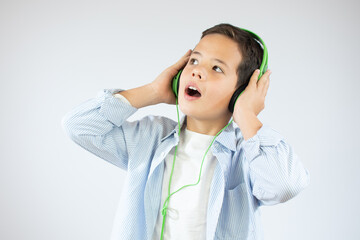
(235, 96)
(239, 91)
(176, 83)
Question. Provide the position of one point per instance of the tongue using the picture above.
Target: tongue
(197, 94)
(194, 93)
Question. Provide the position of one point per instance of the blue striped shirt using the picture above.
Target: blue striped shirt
(263, 170)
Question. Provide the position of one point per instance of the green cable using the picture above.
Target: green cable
(164, 209)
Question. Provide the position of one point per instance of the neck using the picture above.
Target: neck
(208, 126)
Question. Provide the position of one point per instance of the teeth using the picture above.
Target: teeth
(193, 88)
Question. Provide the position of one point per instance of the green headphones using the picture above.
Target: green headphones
(263, 67)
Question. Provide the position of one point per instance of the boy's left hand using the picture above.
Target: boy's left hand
(252, 100)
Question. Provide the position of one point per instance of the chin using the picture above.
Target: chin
(194, 112)
(191, 111)
(187, 110)
(196, 109)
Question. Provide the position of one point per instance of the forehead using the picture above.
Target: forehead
(221, 47)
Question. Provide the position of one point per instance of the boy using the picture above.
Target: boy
(243, 167)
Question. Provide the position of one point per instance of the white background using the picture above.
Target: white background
(54, 55)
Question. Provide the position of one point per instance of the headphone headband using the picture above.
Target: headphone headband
(264, 63)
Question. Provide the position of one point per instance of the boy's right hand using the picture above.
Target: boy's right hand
(162, 84)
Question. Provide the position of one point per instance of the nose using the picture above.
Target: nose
(196, 74)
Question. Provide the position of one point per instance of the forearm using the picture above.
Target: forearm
(141, 96)
(248, 123)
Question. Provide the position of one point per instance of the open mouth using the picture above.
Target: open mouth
(192, 91)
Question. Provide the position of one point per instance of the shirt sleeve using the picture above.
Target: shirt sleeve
(122, 98)
(276, 171)
(99, 125)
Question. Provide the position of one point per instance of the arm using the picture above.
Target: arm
(249, 124)
(159, 91)
(276, 172)
(141, 96)
(99, 125)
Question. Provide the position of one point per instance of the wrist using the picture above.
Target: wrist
(243, 110)
(154, 92)
(248, 123)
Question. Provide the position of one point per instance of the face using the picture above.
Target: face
(209, 78)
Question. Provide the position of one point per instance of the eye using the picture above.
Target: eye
(218, 68)
(193, 59)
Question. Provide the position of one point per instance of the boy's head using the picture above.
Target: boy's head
(249, 48)
(223, 60)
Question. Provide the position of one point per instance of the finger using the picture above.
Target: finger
(254, 78)
(266, 74)
(183, 60)
(263, 79)
(187, 53)
(266, 84)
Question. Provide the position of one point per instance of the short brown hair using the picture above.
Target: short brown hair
(250, 50)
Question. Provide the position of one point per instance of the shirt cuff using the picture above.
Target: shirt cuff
(122, 98)
(112, 109)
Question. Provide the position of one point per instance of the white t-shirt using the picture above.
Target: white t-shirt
(186, 213)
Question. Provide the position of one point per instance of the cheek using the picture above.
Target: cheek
(221, 92)
(220, 97)
(181, 87)
(183, 78)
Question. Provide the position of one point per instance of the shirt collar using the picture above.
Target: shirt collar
(176, 129)
(227, 137)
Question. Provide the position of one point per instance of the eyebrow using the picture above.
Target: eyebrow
(216, 59)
